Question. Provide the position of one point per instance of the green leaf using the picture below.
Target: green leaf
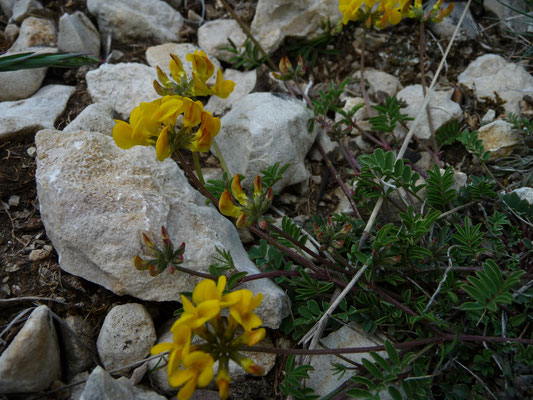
(38, 60)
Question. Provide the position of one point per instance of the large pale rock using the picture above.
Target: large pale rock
(244, 84)
(7, 7)
(491, 73)
(78, 34)
(20, 84)
(35, 32)
(31, 362)
(213, 37)
(160, 55)
(96, 199)
(379, 81)
(24, 8)
(129, 21)
(498, 138)
(442, 108)
(322, 379)
(123, 86)
(97, 117)
(102, 386)
(38, 112)
(262, 129)
(276, 19)
(525, 193)
(126, 336)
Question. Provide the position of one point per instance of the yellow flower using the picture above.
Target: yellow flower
(349, 10)
(176, 68)
(222, 88)
(143, 129)
(192, 112)
(242, 311)
(162, 148)
(198, 372)
(207, 290)
(255, 336)
(195, 317)
(201, 65)
(391, 13)
(178, 349)
(209, 128)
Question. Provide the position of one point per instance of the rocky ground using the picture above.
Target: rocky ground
(94, 199)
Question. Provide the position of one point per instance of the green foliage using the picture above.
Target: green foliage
(223, 262)
(515, 203)
(448, 133)
(469, 239)
(520, 123)
(217, 186)
(329, 102)
(480, 188)
(248, 56)
(292, 384)
(474, 145)
(489, 289)
(439, 190)
(293, 230)
(273, 174)
(380, 173)
(385, 372)
(389, 116)
(38, 60)
(307, 287)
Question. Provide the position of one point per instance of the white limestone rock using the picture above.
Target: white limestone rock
(38, 112)
(491, 73)
(380, 82)
(322, 379)
(96, 199)
(102, 386)
(262, 129)
(127, 335)
(129, 21)
(160, 55)
(498, 138)
(20, 84)
(35, 32)
(77, 34)
(24, 8)
(445, 29)
(443, 109)
(123, 86)
(276, 19)
(97, 117)
(7, 7)
(244, 84)
(525, 193)
(31, 362)
(213, 37)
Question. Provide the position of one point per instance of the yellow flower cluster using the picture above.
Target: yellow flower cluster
(251, 210)
(381, 13)
(191, 366)
(156, 123)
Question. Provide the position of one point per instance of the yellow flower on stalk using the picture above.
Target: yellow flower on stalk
(198, 371)
(207, 290)
(209, 128)
(223, 380)
(146, 128)
(349, 10)
(201, 65)
(255, 336)
(391, 13)
(178, 349)
(249, 211)
(222, 88)
(242, 311)
(176, 68)
(195, 317)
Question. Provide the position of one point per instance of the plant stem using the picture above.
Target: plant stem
(198, 167)
(362, 82)
(220, 157)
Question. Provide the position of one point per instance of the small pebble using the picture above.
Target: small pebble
(488, 117)
(38, 255)
(14, 200)
(11, 32)
(48, 248)
(31, 151)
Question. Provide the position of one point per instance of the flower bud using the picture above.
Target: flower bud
(160, 90)
(162, 77)
(257, 185)
(241, 221)
(165, 237)
(139, 263)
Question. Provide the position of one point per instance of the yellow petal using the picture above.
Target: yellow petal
(123, 135)
(237, 191)
(187, 391)
(176, 68)
(162, 148)
(205, 290)
(207, 310)
(226, 206)
(230, 299)
(161, 348)
(181, 376)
